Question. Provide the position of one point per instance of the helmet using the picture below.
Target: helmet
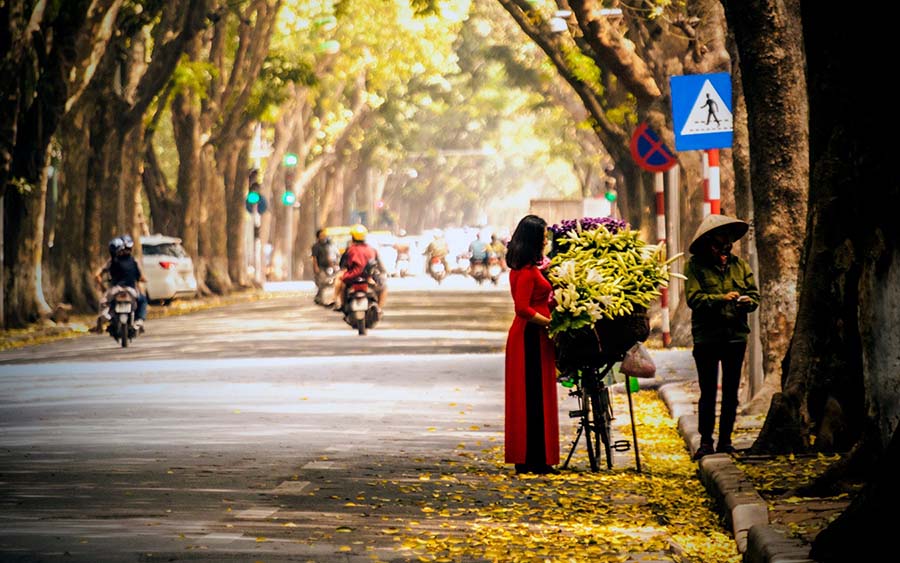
(128, 241)
(358, 232)
(115, 245)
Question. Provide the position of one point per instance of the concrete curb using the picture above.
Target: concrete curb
(742, 506)
(768, 545)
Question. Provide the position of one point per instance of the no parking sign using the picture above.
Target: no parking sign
(649, 152)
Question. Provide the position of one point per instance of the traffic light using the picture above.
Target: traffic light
(611, 195)
(290, 160)
(288, 198)
(252, 198)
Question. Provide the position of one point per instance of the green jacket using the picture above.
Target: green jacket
(713, 319)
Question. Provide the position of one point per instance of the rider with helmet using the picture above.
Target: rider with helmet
(353, 264)
(122, 271)
(437, 248)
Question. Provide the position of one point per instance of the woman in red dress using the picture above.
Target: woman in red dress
(532, 424)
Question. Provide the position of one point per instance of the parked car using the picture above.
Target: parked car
(168, 268)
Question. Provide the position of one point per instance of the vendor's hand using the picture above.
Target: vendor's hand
(732, 295)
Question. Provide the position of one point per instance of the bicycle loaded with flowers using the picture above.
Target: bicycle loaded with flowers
(604, 279)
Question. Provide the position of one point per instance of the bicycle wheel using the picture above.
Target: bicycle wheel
(587, 426)
(602, 414)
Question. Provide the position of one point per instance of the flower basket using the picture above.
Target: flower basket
(604, 279)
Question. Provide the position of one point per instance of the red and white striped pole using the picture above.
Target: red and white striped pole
(705, 159)
(714, 183)
(659, 188)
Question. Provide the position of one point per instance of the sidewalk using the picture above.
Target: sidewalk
(766, 527)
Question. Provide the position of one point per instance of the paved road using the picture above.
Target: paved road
(272, 432)
(216, 429)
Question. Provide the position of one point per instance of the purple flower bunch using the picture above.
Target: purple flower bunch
(587, 224)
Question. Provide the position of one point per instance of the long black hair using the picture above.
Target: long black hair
(526, 247)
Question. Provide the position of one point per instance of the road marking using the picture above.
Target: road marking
(290, 487)
(320, 465)
(256, 513)
(222, 537)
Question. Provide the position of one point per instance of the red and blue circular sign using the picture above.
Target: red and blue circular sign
(649, 152)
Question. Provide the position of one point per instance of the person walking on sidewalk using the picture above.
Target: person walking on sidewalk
(532, 423)
(720, 291)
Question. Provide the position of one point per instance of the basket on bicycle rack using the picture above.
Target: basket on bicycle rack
(608, 340)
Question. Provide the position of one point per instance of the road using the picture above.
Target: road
(237, 432)
(270, 431)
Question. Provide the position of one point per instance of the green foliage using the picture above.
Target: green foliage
(193, 77)
(584, 68)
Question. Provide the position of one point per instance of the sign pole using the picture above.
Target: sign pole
(714, 184)
(289, 242)
(659, 188)
(257, 245)
(704, 156)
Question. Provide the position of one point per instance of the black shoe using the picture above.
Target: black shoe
(702, 451)
(725, 449)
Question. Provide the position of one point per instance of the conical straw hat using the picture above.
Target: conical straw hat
(734, 228)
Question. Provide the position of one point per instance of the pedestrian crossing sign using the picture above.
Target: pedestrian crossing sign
(701, 111)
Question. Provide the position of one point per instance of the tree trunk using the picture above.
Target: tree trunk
(769, 42)
(187, 139)
(214, 223)
(234, 172)
(72, 254)
(24, 235)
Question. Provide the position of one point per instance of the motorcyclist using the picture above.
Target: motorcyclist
(478, 252)
(325, 257)
(499, 250)
(123, 271)
(437, 248)
(402, 248)
(353, 264)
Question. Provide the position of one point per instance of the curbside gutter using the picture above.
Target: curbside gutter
(742, 506)
(745, 511)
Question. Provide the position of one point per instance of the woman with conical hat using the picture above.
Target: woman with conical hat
(720, 292)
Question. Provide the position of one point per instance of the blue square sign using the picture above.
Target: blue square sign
(701, 111)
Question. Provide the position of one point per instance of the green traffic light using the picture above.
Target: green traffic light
(288, 198)
(611, 196)
(253, 198)
(290, 159)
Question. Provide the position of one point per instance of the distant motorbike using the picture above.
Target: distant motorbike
(402, 269)
(479, 271)
(462, 264)
(122, 307)
(324, 280)
(436, 268)
(361, 300)
(494, 269)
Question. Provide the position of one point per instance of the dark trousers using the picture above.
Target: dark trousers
(535, 446)
(708, 356)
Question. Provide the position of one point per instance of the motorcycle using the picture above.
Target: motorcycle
(324, 280)
(479, 271)
(494, 269)
(402, 269)
(361, 301)
(123, 305)
(462, 264)
(436, 269)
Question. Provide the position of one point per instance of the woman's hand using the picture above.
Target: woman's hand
(732, 295)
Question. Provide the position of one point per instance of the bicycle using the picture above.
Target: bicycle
(585, 358)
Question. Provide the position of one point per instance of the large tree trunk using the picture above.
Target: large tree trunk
(234, 162)
(214, 223)
(769, 42)
(24, 236)
(73, 245)
(187, 139)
